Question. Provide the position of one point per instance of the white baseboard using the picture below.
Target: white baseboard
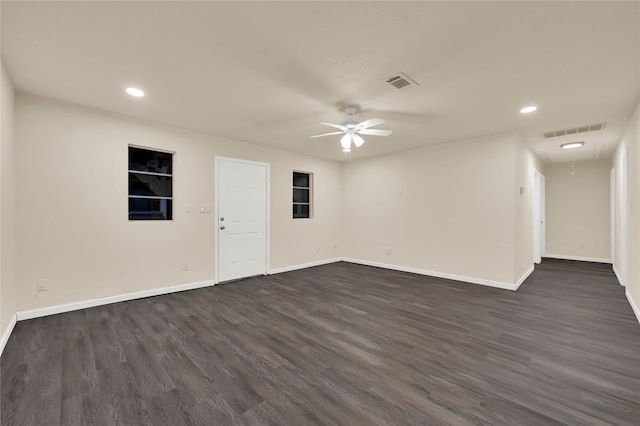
(523, 277)
(618, 276)
(580, 258)
(7, 333)
(507, 286)
(472, 280)
(632, 302)
(58, 309)
(74, 306)
(304, 265)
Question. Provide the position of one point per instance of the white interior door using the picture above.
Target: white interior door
(543, 220)
(623, 216)
(612, 215)
(242, 218)
(538, 216)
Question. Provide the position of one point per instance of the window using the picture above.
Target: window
(301, 195)
(150, 184)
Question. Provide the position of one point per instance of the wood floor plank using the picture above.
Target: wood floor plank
(339, 344)
(78, 357)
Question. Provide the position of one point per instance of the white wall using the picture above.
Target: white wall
(449, 209)
(7, 205)
(631, 143)
(452, 209)
(578, 210)
(73, 229)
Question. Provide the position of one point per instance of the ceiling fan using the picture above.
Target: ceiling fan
(352, 130)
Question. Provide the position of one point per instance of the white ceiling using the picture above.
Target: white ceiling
(269, 72)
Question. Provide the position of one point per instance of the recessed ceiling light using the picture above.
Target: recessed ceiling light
(528, 109)
(135, 92)
(571, 145)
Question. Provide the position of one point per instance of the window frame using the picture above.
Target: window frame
(308, 188)
(170, 176)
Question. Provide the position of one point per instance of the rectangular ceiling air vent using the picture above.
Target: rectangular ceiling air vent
(401, 80)
(574, 130)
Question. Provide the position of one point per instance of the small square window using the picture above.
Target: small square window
(302, 195)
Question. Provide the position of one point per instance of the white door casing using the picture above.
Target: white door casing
(624, 188)
(543, 216)
(612, 215)
(538, 216)
(242, 218)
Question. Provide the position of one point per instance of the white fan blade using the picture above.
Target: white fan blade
(326, 134)
(369, 123)
(337, 126)
(375, 132)
(357, 141)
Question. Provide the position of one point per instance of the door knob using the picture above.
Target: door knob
(222, 219)
(222, 227)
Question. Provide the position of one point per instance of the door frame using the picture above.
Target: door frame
(612, 215)
(624, 216)
(216, 242)
(539, 225)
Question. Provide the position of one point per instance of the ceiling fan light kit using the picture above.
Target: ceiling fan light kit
(351, 130)
(345, 142)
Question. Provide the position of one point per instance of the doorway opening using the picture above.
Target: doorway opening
(612, 215)
(623, 216)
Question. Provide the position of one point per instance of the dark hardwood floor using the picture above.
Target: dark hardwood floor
(340, 344)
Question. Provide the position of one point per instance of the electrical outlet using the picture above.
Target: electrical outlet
(387, 251)
(41, 285)
(185, 266)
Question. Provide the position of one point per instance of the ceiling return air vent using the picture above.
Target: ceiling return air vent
(574, 130)
(401, 81)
